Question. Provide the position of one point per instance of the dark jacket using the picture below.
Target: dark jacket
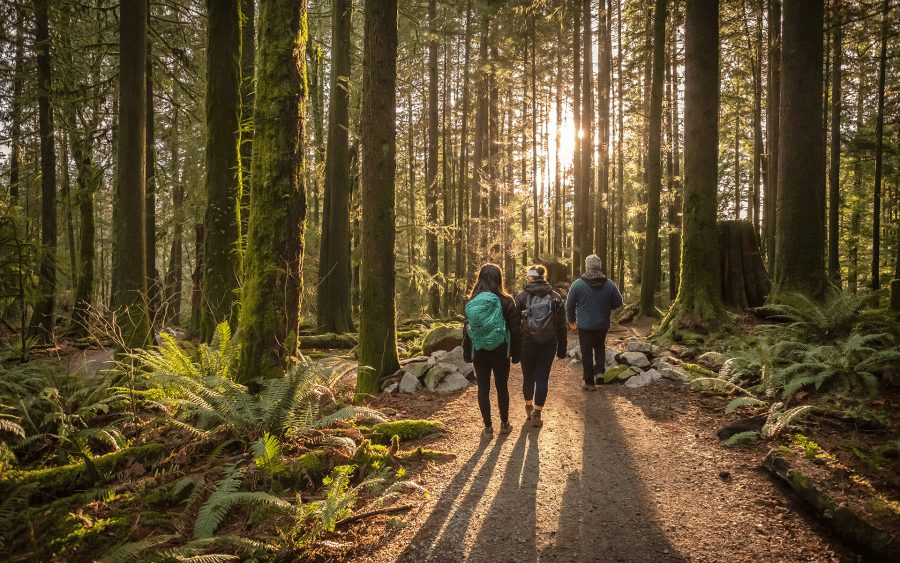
(513, 325)
(541, 288)
(591, 300)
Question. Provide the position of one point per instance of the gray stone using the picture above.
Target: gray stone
(453, 382)
(409, 383)
(636, 359)
(672, 374)
(418, 369)
(654, 349)
(575, 353)
(439, 357)
(639, 347)
(653, 374)
(639, 380)
(392, 387)
(611, 358)
(437, 374)
(574, 362)
(455, 357)
(442, 338)
(415, 360)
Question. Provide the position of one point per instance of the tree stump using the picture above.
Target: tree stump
(745, 282)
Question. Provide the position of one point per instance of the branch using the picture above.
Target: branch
(362, 515)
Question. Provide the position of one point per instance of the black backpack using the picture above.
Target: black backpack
(538, 318)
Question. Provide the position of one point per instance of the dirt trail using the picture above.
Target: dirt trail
(632, 475)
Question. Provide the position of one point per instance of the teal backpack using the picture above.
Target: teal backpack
(487, 327)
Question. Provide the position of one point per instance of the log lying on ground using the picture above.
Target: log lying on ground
(328, 341)
(745, 282)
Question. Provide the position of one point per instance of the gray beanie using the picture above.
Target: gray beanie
(592, 262)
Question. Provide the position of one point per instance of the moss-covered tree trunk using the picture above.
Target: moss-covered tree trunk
(744, 279)
(15, 156)
(650, 275)
(270, 302)
(248, 69)
(87, 184)
(431, 187)
(153, 296)
(377, 323)
(42, 320)
(773, 95)
(800, 264)
(699, 302)
(875, 282)
(129, 231)
(173, 272)
(222, 245)
(333, 291)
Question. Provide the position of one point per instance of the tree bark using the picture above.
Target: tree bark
(699, 303)
(129, 230)
(222, 246)
(773, 97)
(270, 301)
(744, 279)
(333, 309)
(577, 253)
(604, 65)
(150, 205)
(532, 34)
(800, 264)
(834, 192)
(620, 179)
(431, 188)
(879, 152)
(650, 275)
(462, 190)
(15, 156)
(377, 327)
(587, 141)
(248, 68)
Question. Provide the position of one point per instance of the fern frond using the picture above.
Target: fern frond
(221, 503)
(128, 551)
(11, 427)
(347, 413)
(742, 402)
(211, 514)
(268, 455)
(742, 438)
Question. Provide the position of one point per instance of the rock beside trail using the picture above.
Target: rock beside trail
(391, 388)
(644, 347)
(453, 382)
(639, 380)
(636, 359)
(415, 360)
(409, 383)
(418, 369)
(444, 338)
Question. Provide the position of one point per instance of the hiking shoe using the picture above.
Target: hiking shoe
(536, 418)
(488, 432)
(505, 428)
(528, 409)
(599, 380)
(588, 386)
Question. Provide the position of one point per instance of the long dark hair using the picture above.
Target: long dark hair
(490, 278)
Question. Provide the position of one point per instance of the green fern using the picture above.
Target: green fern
(743, 402)
(268, 456)
(129, 551)
(225, 495)
(742, 438)
(336, 506)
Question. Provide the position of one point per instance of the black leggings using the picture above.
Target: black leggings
(537, 359)
(497, 361)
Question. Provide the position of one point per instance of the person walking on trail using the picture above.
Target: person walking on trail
(491, 338)
(543, 336)
(589, 304)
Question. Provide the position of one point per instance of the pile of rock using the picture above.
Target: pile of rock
(441, 372)
(638, 366)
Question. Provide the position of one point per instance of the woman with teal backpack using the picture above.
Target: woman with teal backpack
(491, 338)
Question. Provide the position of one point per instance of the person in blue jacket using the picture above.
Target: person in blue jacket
(589, 305)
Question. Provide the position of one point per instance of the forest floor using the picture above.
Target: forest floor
(618, 474)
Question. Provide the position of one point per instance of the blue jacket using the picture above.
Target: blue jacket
(591, 300)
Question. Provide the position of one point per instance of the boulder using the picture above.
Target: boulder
(639, 380)
(442, 338)
(653, 374)
(630, 372)
(415, 360)
(575, 353)
(671, 373)
(455, 357)
(574, 362)
(440, 356)
(418, 369)
(437, 374)
(637, 359)
(644, 347)
(452, 382)
(392, 387)
(409, 383)
(611, 358)
(711, 360)
(613, 374)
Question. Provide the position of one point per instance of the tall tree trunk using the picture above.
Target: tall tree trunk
(447, 196)
(377, 327)
(773, 119)
(222, 246)
(42, 320)
(857, 196)
(652, 253)
(604, 65)
(173, 273)
(577, 234)
(15, 156)
(620, 179)
(129, 230)
(534, 140)
(493, 142)
(478, 174)
(333, 309)
(800, 264)
(673, 164)
(461, 239)
(587, 141)
(558, 201)
(270, 301)
(316, 65)
(248, 61)
(834, 192)
(757, 122)
(150, 205)
(879, 151)
(431, 243)
(699, 296)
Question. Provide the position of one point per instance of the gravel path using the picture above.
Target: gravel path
(632, 475)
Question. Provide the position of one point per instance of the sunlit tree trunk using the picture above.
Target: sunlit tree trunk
(333, 308)
(270, 301)
(577, 252)
(150, 205)
(800, 264)
(222, 246)
(377, 326)
(879, 152)
(461, 239)
(587, 141)
(431, 188)
(699, 294)
(604, 65)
